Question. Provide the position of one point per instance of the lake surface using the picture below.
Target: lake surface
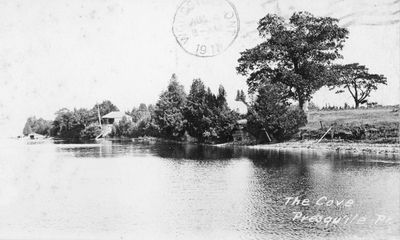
(123, 190)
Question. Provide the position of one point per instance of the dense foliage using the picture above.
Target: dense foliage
(272, 114)
(168, 112)
(39, 126)
(79, 123)
(142, 124)
(176, 115)
(124, 128)
(69, 124)
(201, 115)
(91, 131)
(209, 118)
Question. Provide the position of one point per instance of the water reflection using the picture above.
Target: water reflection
(180, 191)
(269, 158)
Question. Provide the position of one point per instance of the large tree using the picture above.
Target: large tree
(296, 53)
(168, 113)
(198, 110)
(105, 107)
(356, 79)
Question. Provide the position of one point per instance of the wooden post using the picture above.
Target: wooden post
(324, 135)
(267, 135)
(98, 114)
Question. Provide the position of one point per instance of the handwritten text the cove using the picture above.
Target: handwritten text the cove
(322, 201)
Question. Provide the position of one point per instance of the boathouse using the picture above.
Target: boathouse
(114, 117)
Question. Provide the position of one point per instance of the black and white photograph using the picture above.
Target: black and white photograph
(199, 119)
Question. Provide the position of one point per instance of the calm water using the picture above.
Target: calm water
(121, 190)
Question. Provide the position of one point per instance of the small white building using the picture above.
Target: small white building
(114, 117)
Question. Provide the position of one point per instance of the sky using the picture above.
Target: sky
(56, 54)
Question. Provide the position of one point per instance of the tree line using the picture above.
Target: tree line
(79, 123)
(200, 115)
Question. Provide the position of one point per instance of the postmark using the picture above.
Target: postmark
(205, 28)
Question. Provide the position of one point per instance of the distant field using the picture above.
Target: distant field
(374, 116)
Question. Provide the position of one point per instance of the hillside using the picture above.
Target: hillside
(370, 125)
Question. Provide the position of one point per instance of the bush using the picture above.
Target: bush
(39, 126)
(124, 128)
(91, 131)
(289, 124)
(273, 113)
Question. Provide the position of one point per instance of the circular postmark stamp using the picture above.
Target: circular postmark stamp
(205, 28)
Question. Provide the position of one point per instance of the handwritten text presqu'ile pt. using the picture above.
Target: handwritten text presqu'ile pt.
(326, 220)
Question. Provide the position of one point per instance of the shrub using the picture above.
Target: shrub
(289, 123)
(123, 128)
(91, 131)
(273, 113)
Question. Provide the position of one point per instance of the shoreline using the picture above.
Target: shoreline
(353, 147)
(325, 145)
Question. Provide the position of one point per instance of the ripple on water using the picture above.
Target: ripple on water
(173, 191)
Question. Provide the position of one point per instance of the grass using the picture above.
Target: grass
(353, 117)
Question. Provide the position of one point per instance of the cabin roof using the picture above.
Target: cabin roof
(116, 114)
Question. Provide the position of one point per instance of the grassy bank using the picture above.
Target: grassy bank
(374, 131)
(377, 125)
(374, 116)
